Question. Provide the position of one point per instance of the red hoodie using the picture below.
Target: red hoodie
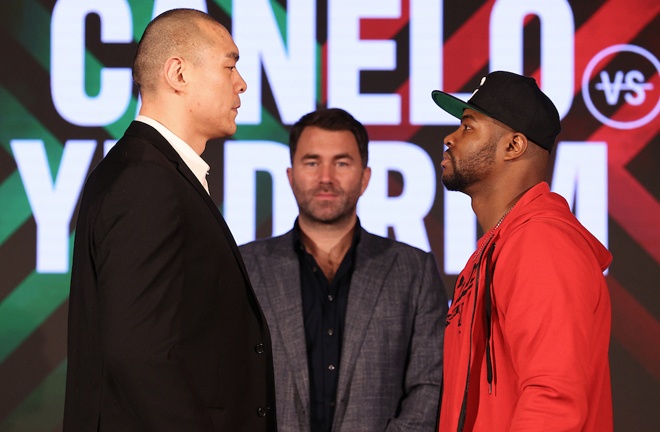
(547, 327)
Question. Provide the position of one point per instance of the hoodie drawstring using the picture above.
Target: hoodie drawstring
(490, 269)
(489, 365)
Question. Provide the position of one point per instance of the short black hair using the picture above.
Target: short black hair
(332, 119)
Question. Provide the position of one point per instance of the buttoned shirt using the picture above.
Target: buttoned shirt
(192, 160)
(324, 310)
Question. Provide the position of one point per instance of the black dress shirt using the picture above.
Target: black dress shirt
(324, 311)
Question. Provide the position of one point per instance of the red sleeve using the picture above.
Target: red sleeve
(546, 296)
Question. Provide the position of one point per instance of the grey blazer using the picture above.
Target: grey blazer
(391, 361)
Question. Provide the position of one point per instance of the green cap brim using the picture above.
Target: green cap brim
(451, 104)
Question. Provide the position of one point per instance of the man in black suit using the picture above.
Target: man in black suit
(165, 333)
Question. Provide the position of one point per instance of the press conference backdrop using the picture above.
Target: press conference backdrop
(66, 96)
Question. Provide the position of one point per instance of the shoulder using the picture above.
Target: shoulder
(134, 169)
(401, 268)
(268, 246)
(137, 154)
(542, 220)
(400, 256)
(546, 223)
(374, 245)
(133, 174)
(551, 246)
(262, 257)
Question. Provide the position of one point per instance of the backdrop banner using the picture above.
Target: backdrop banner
(66, 97)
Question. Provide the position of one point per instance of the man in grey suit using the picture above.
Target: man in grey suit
(357, 320)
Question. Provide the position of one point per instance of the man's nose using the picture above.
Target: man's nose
(242, 85)
(449, 139)
(327, 173)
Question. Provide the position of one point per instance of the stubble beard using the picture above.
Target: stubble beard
(472, 169)
(327, 212)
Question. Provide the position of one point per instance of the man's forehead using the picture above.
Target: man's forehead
(224, 37)
(327, 143)
(318, 130)
(474, 115)
(470, 114)
(328, 139)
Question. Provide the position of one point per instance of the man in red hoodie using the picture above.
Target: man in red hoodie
(527, 337)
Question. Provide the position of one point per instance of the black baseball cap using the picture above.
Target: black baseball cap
(512, 99)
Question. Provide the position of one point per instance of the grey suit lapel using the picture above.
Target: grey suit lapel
(371, 269)
(282, 267)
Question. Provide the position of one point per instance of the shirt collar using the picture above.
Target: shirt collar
(194, 161)
(298, 246)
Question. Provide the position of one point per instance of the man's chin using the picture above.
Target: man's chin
(452, 184)
(327, 218)
(231, 130)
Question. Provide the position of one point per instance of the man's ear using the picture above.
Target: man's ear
(516, 146)
(289, 174)
(366, 176)
(174, 73)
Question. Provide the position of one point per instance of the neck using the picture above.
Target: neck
(161, 112)
(494, 197)
(327, 243)
(491, 208)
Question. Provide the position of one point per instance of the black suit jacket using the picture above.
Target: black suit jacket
(165, 333)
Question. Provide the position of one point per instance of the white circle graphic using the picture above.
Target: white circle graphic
(587, 97)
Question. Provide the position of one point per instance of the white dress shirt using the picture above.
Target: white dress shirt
(191, 159)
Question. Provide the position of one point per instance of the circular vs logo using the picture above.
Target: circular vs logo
(618, 96)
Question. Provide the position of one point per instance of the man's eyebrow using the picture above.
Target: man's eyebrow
(232, 55)
(335, 157)
(468, 117)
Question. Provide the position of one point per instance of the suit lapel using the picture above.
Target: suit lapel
(371, 269)
(144, 131)
(281, 272)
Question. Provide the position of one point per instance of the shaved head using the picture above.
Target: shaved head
(177, 32)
